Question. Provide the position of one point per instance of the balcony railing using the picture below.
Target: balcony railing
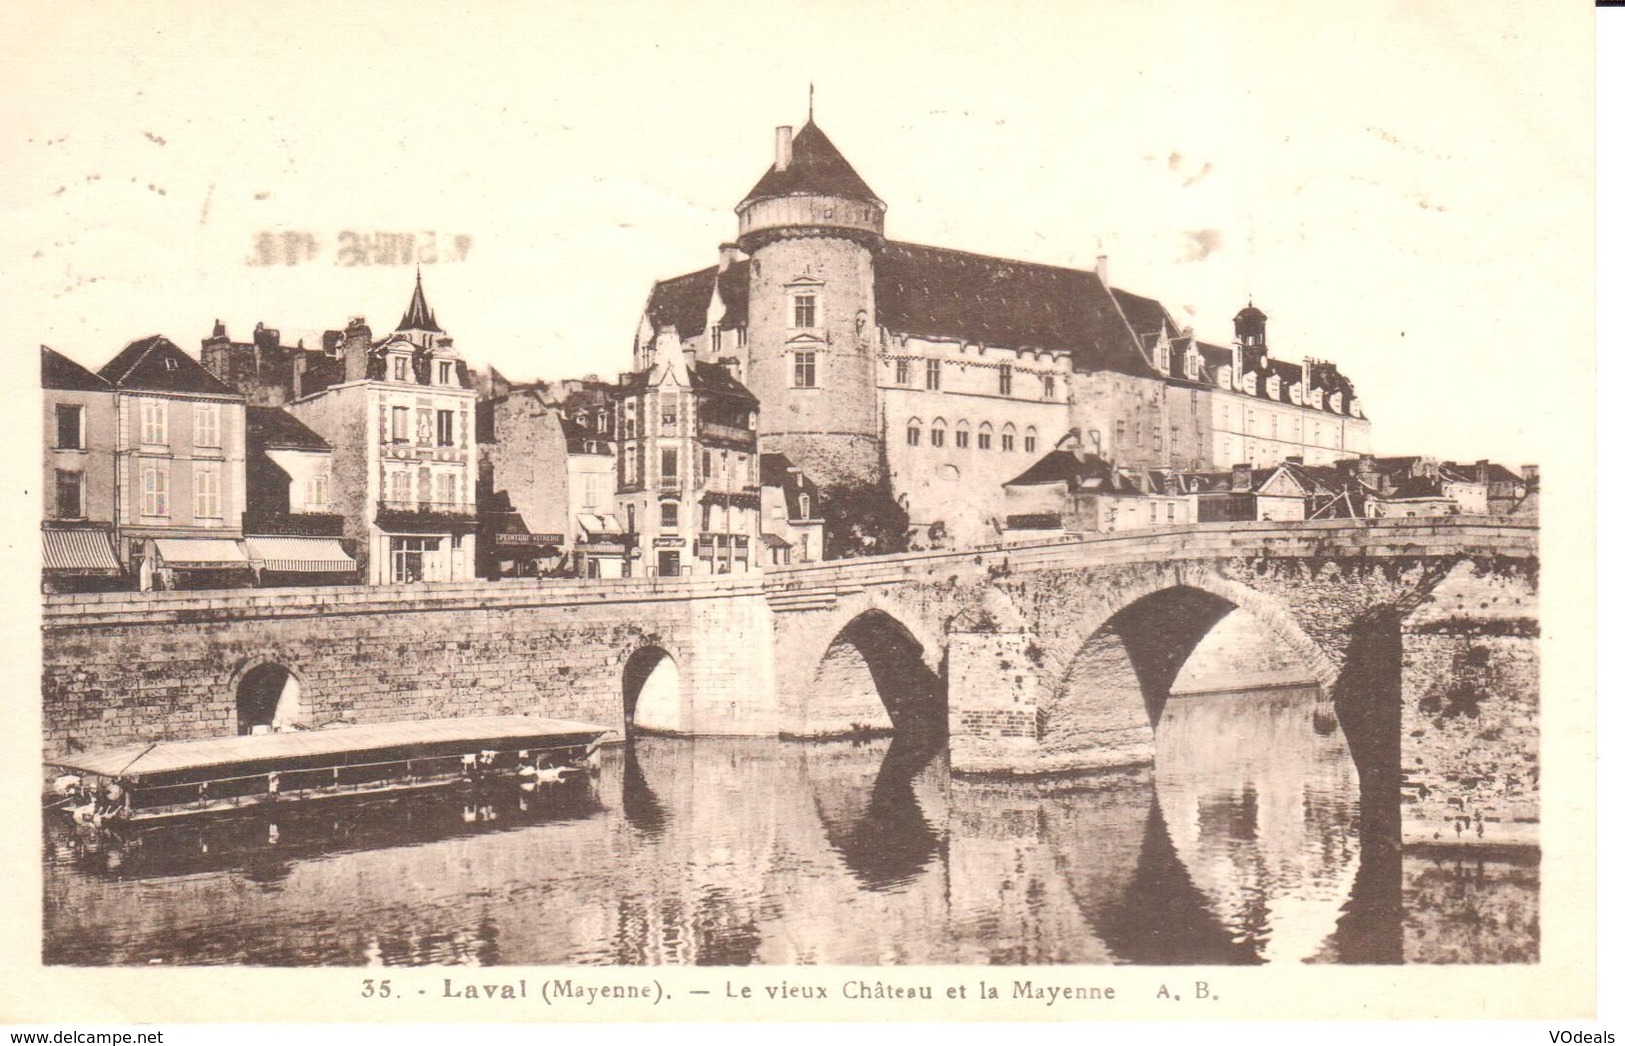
(445, 508)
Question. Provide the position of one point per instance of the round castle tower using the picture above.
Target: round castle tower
(811, 227)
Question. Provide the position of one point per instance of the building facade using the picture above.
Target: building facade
(689, 491)
(399, 415)
(180, 480)
(290, 532)
(937, 374)
(550, 456)
(77, 489)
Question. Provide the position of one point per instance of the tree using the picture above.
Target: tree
(862, 520)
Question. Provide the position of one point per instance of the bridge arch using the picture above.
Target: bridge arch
(874, 666)
(655, 691)
(268, 693)
(1109, 687)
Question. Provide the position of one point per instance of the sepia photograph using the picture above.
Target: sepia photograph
(1034, 489)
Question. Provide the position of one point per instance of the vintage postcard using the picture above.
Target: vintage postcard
(862, 512)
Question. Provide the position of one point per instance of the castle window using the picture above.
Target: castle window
(902, 372)
(914, 434)
(806, 370)
(1006, 379)
(443, 428)
(1007, 441)
(806, 310)
(1049, 386)
(984, 440)
(1156, 440)
(716, 339)
(805, 504)
(400, 368)
(937, 435)
(933, 374)
(1274, 422)
(962, 436)
(1122, 434)
(705, 468)
(1030, 441)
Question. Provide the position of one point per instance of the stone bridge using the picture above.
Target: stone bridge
(1043, 657)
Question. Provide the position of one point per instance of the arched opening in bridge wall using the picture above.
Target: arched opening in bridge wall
(267, 699)
(652, 692)
(873, 679)
(1254, 778)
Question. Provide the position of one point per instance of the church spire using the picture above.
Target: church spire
(418, 315)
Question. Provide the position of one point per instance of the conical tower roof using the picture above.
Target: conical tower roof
(418, 315)
(816, 168)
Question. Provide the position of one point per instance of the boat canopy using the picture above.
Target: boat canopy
(477, 731)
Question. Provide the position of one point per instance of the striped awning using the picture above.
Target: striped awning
(596, 526)
(306, 555)
(200, 553)
(79, 551)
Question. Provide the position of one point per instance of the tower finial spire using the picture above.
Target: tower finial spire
(809, 101)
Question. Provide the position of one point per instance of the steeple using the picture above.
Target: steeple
(418, 315)
(813, 168)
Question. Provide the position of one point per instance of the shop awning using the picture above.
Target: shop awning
(201, 553)
(304, 555)
(79, 551)
(599, 526)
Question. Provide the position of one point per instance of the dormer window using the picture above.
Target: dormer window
(1190, 363)
(805, 504)
(1249, 382)
(1337, 403)
(1297, 393)
(1224, 377)
(1274, 386)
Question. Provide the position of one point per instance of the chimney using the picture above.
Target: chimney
(781, 148)
(356, 348)
(1100, 270)
(1531, 477)
(731, 365)
(1241, 477)
(1366, 470)
(1483, 470)
(728, 254)
(298, 375)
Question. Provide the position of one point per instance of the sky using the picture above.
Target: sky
(1404, 188)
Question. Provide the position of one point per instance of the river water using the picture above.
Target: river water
(1243, 845)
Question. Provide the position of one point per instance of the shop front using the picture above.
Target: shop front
(195, 563)
(79, 559)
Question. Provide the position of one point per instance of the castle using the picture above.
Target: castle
(936, 375)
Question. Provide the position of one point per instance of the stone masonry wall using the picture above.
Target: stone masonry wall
(126, 670)
(1470, 712)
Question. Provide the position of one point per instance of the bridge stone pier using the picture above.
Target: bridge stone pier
(1040, 658)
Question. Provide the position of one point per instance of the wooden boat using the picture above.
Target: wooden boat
(166, 780)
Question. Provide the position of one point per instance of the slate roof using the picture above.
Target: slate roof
(711, 378)
(418, 316)
(816, 168)
(275, 428)
(156, 364)
(59, 372)
(776, 470)
(579, 439)
(1090, 474)
(683, 302)
(934, 291)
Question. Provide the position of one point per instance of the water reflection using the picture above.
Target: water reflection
(1246, 845)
